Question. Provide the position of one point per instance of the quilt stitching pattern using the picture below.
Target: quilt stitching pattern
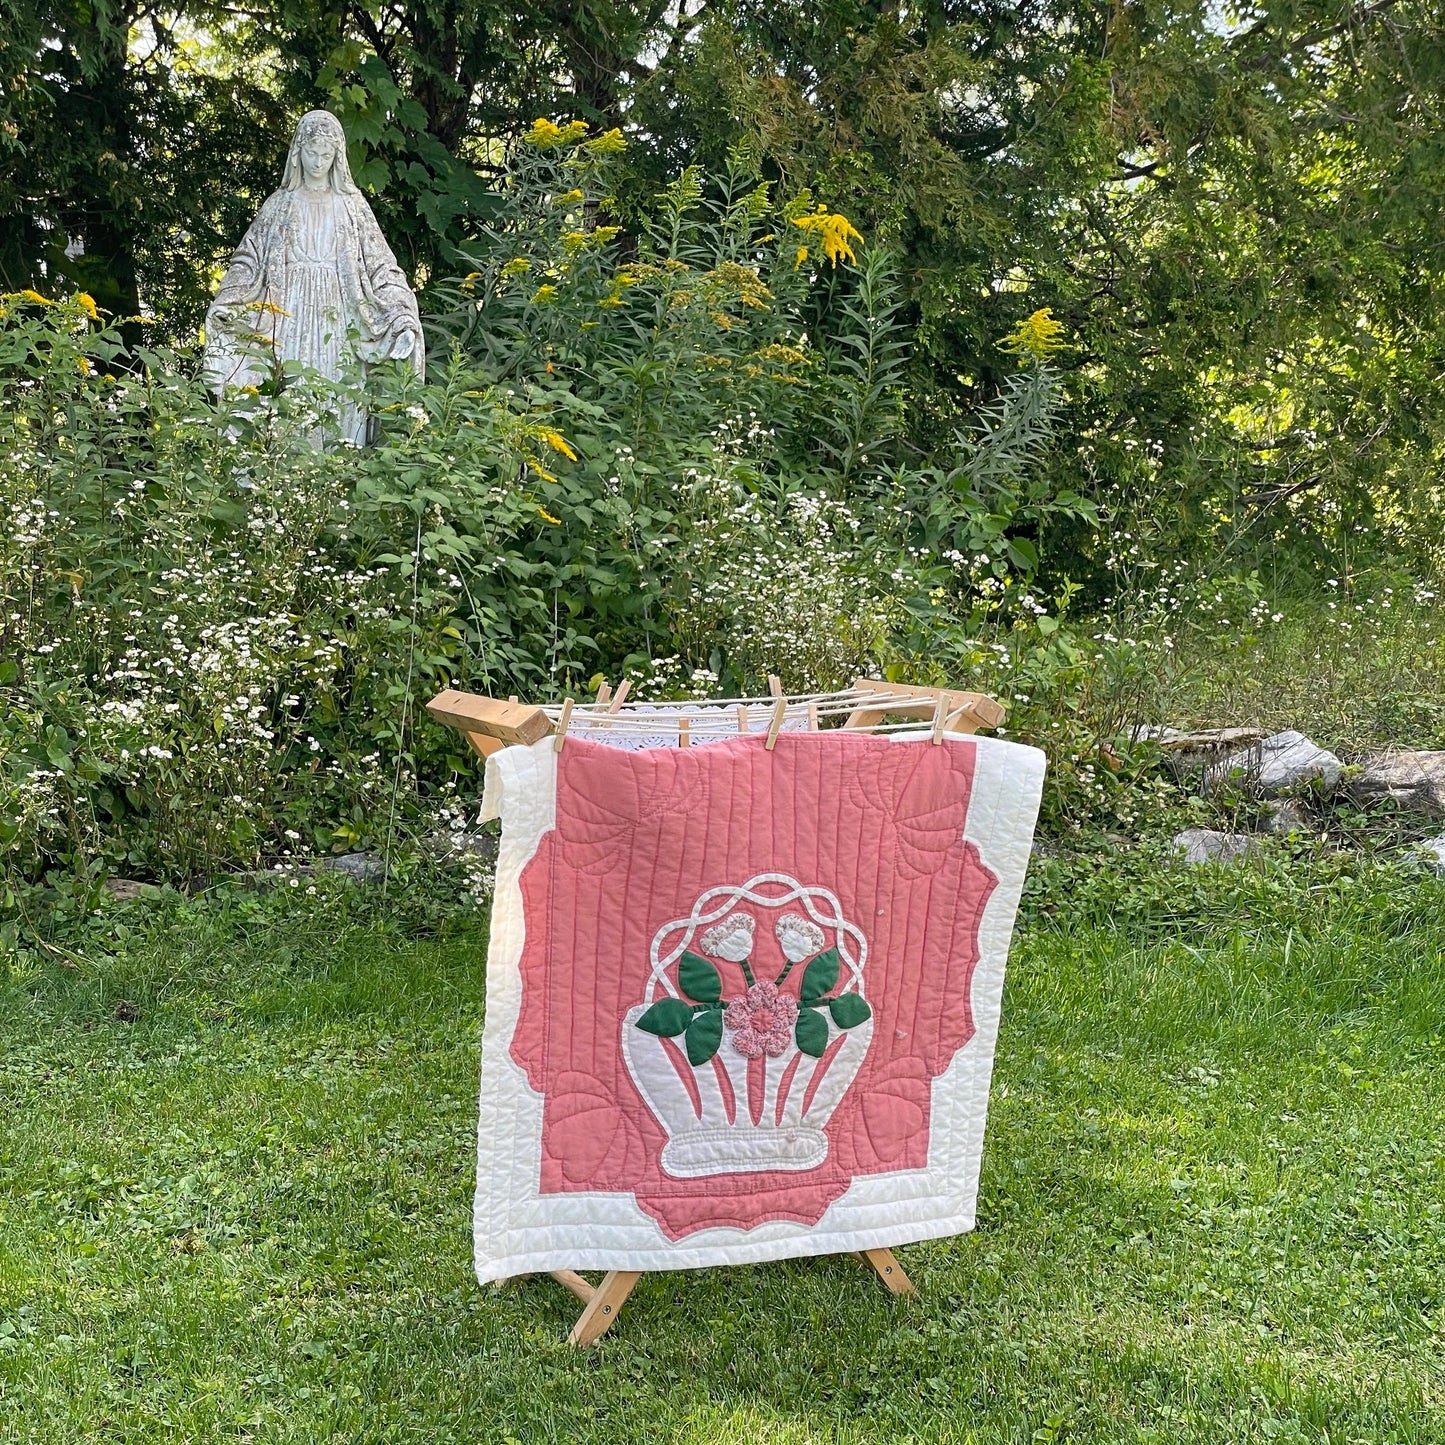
(734, 996)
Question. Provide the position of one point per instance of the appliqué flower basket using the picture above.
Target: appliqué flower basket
(754, 1024)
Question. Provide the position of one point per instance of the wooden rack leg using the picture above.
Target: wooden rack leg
(602, 1309)
(570, 1279)
(889, 1270)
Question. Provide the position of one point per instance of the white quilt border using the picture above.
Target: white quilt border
(519, 1230)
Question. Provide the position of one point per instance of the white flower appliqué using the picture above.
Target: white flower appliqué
(731, 939)
(799, 938)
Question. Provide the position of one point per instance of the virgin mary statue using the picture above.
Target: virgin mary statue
(313, 280)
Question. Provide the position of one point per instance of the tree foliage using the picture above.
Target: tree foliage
(1233, 209)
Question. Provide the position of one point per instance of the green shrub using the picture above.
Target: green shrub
(675, 455)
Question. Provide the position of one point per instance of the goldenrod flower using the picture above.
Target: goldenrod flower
(28, 295)
(557, 442)
(267, 308)
(776, 351)
(546, 516)
(544, 294)
(609, 143)
(800, 256)
(835, 233)
(86, 302)
(568, 198)
(1037, 337)
(544, 134)
(517, 266)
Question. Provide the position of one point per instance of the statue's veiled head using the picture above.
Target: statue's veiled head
(318, 149)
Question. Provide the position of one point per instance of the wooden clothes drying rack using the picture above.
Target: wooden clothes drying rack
(489, 724)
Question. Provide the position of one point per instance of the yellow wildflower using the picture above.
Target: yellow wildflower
(544, 133)
(835, 233)
(574, 241)
(800, 257)
(1037, 337)
(557, 442)
(33, 296)
(721, 318)
(86, 302)
(568, 198)
(776, 351)
(83, 366)
(546, 516)
(267, 308)
(609, 143)
(605, 233)
(544, 294)
(517, 266)
(540, 470)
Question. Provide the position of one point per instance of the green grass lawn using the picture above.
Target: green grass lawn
(1211, 1206)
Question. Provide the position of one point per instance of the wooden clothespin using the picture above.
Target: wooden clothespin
(812, 717)
(604, 691)
(940, 716)
(623, 688)
(682, 732)
(563, 723)
(743, 719)
(775, 685)
(780, 711)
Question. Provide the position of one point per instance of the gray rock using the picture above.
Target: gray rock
(360, 867)
(1280, 762)
(1432, 854)
(127, 890)
(1415, 781)
(1205, 845)
(1198, 751)
(1285, 816)
(1289, 759)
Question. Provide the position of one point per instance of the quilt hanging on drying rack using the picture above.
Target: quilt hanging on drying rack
(741, 1004)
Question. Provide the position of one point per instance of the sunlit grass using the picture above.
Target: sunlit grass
(1211, 1210)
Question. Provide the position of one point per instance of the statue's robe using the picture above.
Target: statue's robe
(313, 281)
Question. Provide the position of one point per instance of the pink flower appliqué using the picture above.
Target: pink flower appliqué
(762, 1021)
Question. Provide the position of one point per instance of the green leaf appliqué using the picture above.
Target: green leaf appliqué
(704, 1034)
(811, 1032)
(849, 1010)
(699, 979)
(667, 1018)
(820, 976)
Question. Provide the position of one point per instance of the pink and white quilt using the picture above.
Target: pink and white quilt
(741, 1004)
